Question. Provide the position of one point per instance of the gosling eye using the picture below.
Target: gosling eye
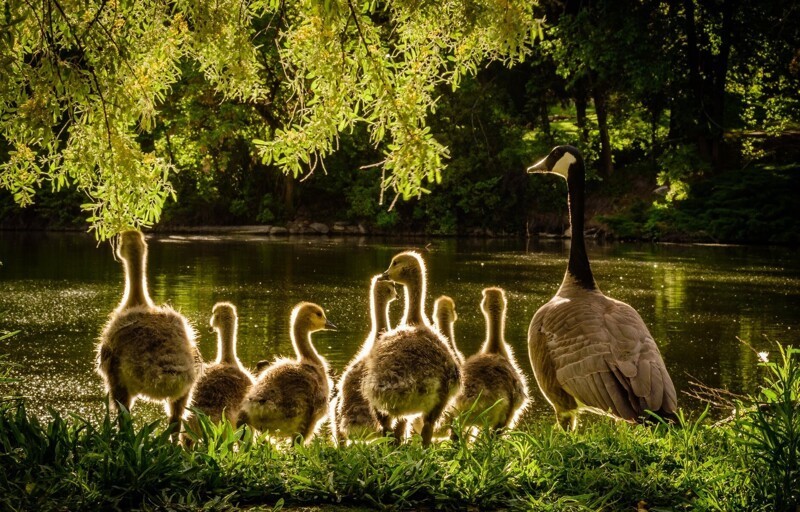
(319, 314)
(394, 263)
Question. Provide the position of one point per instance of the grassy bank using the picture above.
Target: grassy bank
(749, 463)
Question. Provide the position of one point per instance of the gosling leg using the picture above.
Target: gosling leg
(308, 431)
(454, 434)
(399, 432)
(385, 422)
(429, 421)
(120, 397)
(176, 409)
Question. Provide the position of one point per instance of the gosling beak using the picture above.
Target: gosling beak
(329, 325)
(540, 166)
(384, 276)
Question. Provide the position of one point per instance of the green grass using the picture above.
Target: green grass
(749, 463)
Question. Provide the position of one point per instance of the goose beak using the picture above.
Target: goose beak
(384, 276)
(329, 325)
(540, 166)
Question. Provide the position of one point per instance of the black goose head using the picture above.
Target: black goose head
(561, 161)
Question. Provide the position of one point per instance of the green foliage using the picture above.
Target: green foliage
(677, 166)
(224, 106)
(754, 205)
(380, 64)
(769, 430)
(76, 465)
(86, 84)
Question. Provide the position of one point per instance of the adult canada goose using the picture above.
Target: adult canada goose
(494, 390)
(410, 370)
(354, 417)
(224, 384)
(589, 351)
(146, 350)
(445, 316)
(290, 397)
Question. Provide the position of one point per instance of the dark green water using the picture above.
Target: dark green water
(58, 289)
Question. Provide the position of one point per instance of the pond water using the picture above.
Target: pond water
(57, 290)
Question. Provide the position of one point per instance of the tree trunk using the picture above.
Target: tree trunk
(686, 112)
(288, 195)
(580, 108)
(606, 164)
(720, 76)
(545, 118)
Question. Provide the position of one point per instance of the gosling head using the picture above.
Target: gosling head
(131, 245)
(311, 317)
(405, 268)
(494, 301)
(444, 307)
(384, 291)
(223, 315)
(562, 160)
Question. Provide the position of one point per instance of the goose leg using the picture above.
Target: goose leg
(567, 420)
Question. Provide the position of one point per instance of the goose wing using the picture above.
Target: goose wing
(605, 357)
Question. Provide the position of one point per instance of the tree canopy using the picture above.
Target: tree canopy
(85, 82)
(231, 106)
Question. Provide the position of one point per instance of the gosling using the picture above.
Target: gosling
(219, 393)
(290, 397)
(445, 316)
(410, 370)
(495, 391)
(353, 417)
(146, 350)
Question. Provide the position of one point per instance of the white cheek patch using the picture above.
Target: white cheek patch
(562, 166)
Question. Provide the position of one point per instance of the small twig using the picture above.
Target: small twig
(370, 166)
(90, 69)
(96, 17)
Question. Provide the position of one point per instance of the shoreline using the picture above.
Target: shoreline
(349, 230)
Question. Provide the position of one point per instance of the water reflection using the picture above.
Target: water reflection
(59, 288)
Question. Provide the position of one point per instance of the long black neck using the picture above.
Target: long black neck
(578, 267)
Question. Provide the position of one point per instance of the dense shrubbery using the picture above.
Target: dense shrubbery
(753, 205)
